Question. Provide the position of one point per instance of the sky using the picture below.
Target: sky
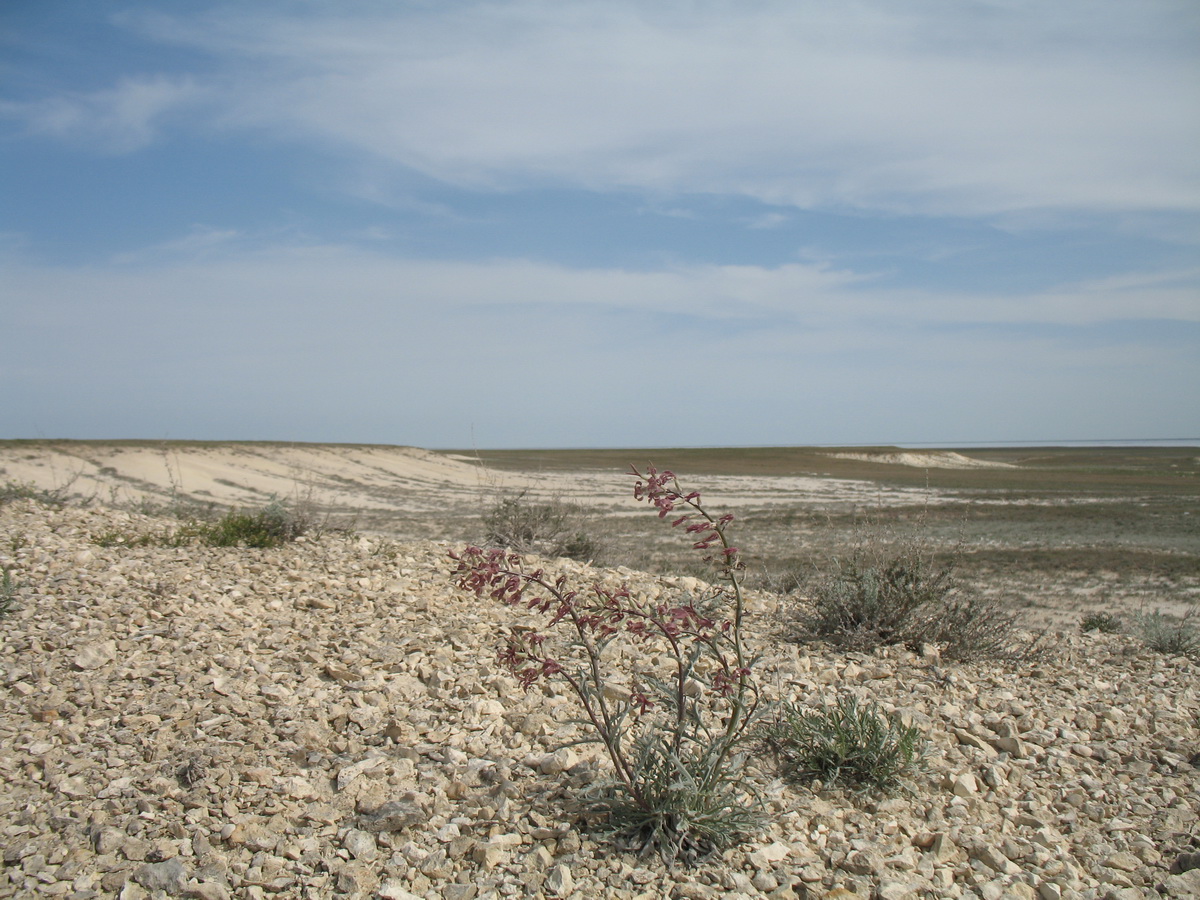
(602, 223)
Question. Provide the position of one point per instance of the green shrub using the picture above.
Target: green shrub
(275, 524)
(1172, 635)
(848, 743)
(1104, 622)
(549, 528)
(114, 538)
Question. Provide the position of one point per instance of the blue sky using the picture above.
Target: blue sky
(536, 223)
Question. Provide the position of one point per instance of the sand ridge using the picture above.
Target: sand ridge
(387, 480)
(941, 459)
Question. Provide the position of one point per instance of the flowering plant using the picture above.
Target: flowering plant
(665, 682)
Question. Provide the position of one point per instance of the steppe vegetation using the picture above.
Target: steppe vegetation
(242, 704)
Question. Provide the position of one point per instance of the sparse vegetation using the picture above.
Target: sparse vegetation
(1172, 635)
(1103, 622)
(892, 589)
(549, 528)
(664, 682)
(8, 594)
(275, 524)
(11, 491)
(845, 742)
(115, 538)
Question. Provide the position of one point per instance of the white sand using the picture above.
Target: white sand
(940, 459)
(375, 478)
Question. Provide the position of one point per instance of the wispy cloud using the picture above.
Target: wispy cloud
(793, 353)
(959, 108)
(120, 119)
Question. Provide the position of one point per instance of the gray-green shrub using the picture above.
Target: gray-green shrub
(8, 594)
(549, 528)
(859, 746)
(1164, 633)
(893, 589)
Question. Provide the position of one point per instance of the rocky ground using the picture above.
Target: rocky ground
(327, 719)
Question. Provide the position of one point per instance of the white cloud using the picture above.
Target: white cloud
(210, 270)
(119, 119)
(933, 107)
(224, 336)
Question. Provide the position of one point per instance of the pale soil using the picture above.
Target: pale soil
(221, 723)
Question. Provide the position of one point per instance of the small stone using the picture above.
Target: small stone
(765, 882)
(897, 890)
(1185, 886)
(394, 815)
(340, 673)
(360, 844)
(93, 656)
(1123, 861)
(1126, 893)
(971, 740)
(692, 890)
(1185, 862)
(108, 840)
(942, 848)
(489, 855)
(168, 876)
(395, 889)
(862, 862)
(257, 838)
(207, 890)
(559, 881)
(557, 762)
(135, 850)
(1013, 746)
(355, 879)
(965, 785)
(994, 859)
(347, 774)
(766, 857)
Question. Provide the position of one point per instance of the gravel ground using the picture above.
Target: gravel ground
(327, 719)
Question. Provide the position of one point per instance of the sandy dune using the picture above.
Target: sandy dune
(233, 473)
(940, 459)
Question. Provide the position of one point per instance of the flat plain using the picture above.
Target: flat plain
(1056, 531)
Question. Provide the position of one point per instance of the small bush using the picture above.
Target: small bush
(893, 590)
(1104, 622)
(1168, 634)
(8, 594)
(12, 491)
(114, 538)
(866, 603)
(972, 628)
(273, 525)
(551, 528)
(858, 746)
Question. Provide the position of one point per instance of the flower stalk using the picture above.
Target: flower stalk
(665, 683)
